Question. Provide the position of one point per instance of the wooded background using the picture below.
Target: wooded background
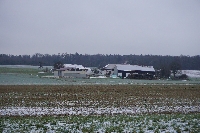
(100, 60)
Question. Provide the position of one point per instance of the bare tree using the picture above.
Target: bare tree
(58, 65)
(175, 67)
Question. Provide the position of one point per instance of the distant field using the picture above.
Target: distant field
(19, 70)
(25, 66)
(25, 70)
(100, 108)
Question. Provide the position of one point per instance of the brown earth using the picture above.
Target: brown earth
(98, 95)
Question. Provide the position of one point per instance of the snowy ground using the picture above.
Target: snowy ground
(192, 73)
(163, 123)
(35, 111)
(100, 108)
(98, 100)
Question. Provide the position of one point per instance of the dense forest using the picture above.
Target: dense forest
(100, 60)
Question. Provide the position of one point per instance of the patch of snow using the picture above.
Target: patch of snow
(49, 77)
(41, 72)
(98, 77)
(192, 73)
(21, 111)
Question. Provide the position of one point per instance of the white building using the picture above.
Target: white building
(123, 70)
(73, 70)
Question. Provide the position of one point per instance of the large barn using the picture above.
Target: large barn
(129, 71)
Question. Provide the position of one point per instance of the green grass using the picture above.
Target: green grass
(30, 71)
(106, 123)
(44, 96)
(19, 70)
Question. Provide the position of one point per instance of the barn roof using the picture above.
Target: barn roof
(134, 67)
(128, 67)
(110, 66)
(74, 66)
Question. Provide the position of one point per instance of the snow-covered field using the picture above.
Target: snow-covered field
(192, 73)
(37, 111)
(100, 108)
(98, 100)
(163, 123)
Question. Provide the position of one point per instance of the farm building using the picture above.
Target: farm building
(129, 71)
(73, 70)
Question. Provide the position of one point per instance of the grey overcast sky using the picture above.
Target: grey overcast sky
(157, 27)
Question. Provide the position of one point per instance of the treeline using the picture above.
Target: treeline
(100, 60)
